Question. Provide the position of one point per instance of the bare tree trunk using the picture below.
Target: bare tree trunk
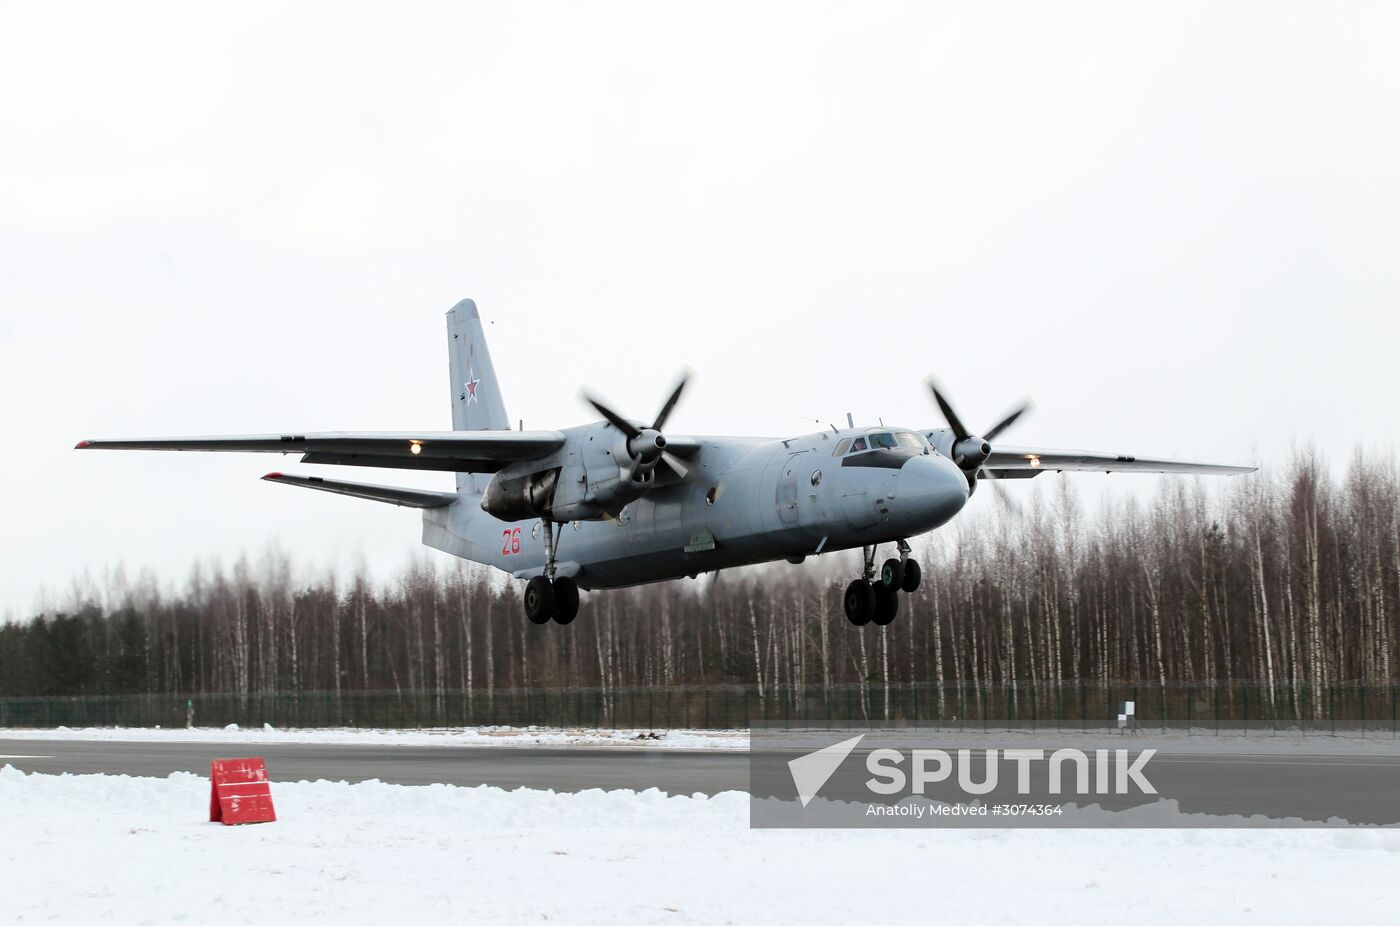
(1267, 641)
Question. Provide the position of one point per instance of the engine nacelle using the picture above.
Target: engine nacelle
(597, 476)
(520, 498)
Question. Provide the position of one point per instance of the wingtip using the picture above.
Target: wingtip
(273, 476)
(82, 445)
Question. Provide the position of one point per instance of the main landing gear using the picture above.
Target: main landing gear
(549, 596)
(546, 599)
(875, 599)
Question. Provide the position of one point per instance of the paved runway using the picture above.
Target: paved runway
(1356, 788)
(572, 768)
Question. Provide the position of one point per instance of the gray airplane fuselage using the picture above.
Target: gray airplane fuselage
(777, 499)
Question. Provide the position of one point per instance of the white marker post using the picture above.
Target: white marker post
(1127, 718)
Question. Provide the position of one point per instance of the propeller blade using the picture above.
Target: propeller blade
(673, 461)
(1002, 496)
(666, 409)
(959, 431)
(626, 427)
(693, 473)
(1006, 422)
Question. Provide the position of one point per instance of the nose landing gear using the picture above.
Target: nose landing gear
(912, 576)
(875, 599)
(860, 602)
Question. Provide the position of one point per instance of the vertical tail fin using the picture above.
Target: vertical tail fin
(476, 394)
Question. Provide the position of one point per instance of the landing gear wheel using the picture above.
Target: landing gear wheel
(892, 574)
(860, 602)
(886, 605)
(912, 575)
(565, 600)
(539, 600)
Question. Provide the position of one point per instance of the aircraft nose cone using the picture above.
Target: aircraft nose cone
(930, 491)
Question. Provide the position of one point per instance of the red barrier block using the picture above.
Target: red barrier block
(239, 792)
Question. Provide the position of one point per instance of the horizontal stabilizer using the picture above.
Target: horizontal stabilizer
(408, 498)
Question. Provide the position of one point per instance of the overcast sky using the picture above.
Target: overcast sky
(1175, 226)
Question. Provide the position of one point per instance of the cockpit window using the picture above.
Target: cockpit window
(883, 439)
(858, 445)
(841, 447)
(910, 440)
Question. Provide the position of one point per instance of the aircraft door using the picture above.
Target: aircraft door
(813, 489)
(787, 492)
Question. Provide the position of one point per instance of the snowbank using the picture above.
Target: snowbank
(457, 736)
(1175, 741)
(113, 849)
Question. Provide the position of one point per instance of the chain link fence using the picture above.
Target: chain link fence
(1351, 708)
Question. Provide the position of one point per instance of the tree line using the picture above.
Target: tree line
(1287, 578)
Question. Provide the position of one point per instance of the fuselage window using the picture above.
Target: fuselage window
(841, 447)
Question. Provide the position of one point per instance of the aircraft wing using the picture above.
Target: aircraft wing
(449, 451)
(1024, 462)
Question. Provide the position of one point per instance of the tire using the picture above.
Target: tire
(892, 574)
(886, 605)
(860, 602)
(565, 600)
(539, 600)
(912, 575)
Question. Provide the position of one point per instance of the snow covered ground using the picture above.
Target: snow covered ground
(1381, 742)
(113, 849)
(456, 736)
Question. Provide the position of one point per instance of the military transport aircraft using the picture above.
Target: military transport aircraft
(620, 502)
